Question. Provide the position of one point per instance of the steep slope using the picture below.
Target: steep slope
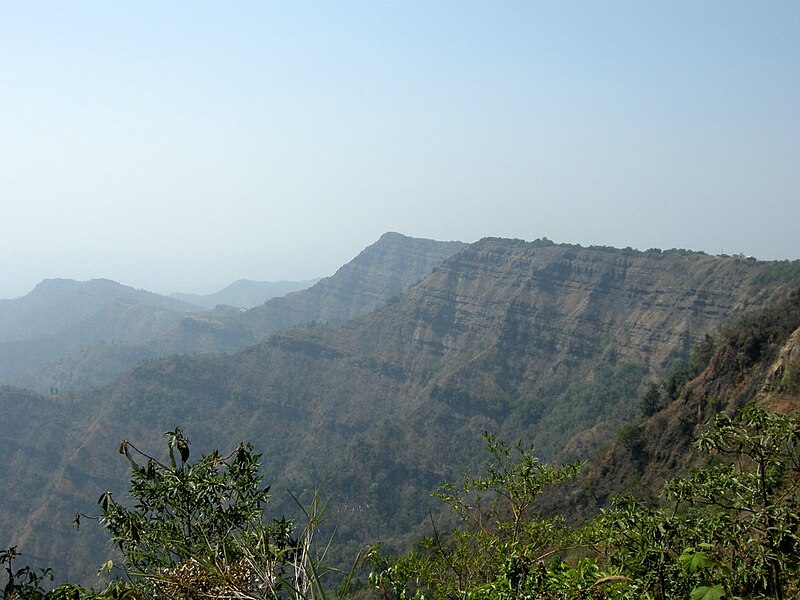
(61, 315)
(380, 272)
(245, 293)
(756, 359)
(529, 340)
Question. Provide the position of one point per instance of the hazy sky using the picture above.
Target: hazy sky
(173, 145)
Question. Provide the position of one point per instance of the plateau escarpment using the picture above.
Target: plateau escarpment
(381, 271)
(532, 341)
(756, 359)
(535, 340)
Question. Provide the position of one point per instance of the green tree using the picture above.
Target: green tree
(197, 529)
(503, 547)
(652, 401)
(751, 496)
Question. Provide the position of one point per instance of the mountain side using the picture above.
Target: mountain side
(245, 293)
(756, 360)
(532, 341)
(381, 271)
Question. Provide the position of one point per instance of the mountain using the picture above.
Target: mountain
(532, 341)
(245, 293)
(60, 316)
(381, 271)
(56, 305)
(755, 360)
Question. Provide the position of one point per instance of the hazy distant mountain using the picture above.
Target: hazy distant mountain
(56, 305)
(60, 316)
(381, 271)
(532, 341)
(245, 293)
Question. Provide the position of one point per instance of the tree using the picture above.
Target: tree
(751, 496)
(196, 530)
(729, 530)
(22, 582)
(503, 549)
(652, 401)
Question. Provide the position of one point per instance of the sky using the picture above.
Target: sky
(179, 146)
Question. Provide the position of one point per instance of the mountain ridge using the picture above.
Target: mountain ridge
(382, 270)
(244, 293)
(528, 340)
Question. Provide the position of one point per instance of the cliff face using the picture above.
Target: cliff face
(380, 272)
(532, 341)
(537, 340)
(756, 359)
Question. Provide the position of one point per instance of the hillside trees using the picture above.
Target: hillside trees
(502, 545)
(196, 530)
(729, 530)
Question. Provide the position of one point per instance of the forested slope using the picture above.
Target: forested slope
(535, 341)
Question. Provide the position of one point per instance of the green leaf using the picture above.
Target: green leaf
(692, 561)
(706, 592)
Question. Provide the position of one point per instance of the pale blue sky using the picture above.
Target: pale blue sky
(172, 145)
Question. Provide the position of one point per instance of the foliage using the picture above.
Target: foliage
(652, 401)
(26, 583)
(683, 370)
(196, 530)
(701, 354)
(752, 337)
(502, 539)
(186, 510)
(751, 497)
(730, 530)
(22, 582)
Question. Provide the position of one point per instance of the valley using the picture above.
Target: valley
(386, 378)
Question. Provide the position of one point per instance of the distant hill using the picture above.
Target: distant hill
(61, 315)
(245, 293)
(56, 305)
(380, 272)
(533, 341)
